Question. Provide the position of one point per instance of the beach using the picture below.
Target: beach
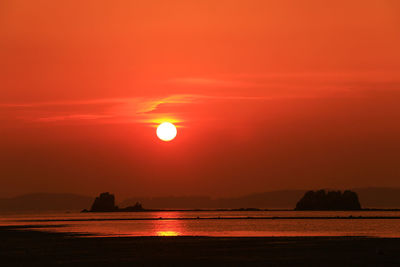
(22, 246)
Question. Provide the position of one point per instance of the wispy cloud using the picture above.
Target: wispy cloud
(240, 88)
(94, 110)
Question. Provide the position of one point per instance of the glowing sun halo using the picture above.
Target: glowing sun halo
(166, 131)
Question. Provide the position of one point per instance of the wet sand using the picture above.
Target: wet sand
(25, 247)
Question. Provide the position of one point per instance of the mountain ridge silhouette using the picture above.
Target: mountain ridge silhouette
(370, 197)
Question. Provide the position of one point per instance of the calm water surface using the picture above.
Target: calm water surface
(214, 223)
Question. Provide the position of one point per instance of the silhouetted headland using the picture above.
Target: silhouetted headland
(312, 200)
(372, 199)
(106, 203)
(331, 200)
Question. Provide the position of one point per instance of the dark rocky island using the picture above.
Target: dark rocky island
(106, 203)
(331, 200)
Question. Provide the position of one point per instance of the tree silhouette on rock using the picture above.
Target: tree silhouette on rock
(331, 200)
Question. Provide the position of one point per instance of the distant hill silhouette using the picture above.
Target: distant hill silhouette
(44, 202)
(379, 197)
(329, 200)
(373, 197)
(285, 199)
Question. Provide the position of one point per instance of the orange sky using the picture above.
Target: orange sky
(267, 95)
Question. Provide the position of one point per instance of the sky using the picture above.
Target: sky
(266, 95)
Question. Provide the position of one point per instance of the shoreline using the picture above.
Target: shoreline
(18, 212)
(23, 246)
(223, 218)
(238, 209)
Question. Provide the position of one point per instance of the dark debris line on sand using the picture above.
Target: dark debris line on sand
(33, 248)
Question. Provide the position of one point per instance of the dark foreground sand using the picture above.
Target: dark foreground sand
(32, 248)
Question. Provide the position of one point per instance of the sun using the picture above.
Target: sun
(166, 131)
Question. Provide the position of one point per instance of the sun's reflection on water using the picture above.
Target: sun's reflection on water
(168, 227)
(167, 233)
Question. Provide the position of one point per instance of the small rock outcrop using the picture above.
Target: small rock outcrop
(331, 200)
(136, 207)
(104, 203)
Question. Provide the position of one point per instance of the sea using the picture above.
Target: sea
(213, 223)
